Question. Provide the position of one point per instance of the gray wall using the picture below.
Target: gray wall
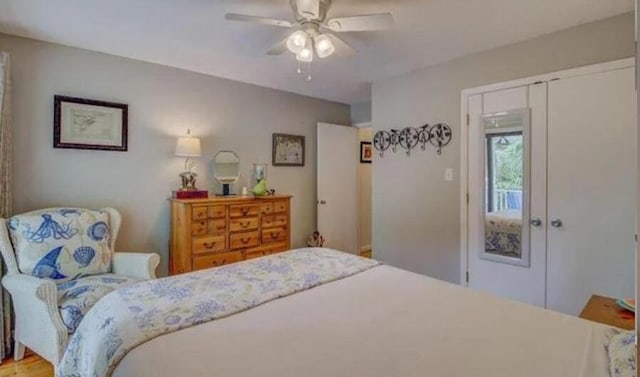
(416, 213)
(361, 113)
(163, 103)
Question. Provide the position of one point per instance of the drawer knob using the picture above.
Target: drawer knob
(244, 211)
(245, 225)
(245, 240)
(275, 235)
(210, 245)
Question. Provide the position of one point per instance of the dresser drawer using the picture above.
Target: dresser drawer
(274, 221)
(199, 213)
(243, 224)
(216, 226)
(216, 212)
(244, 240)
(280, 206)
(274, 235)
(263, 251)
(210, 244)
(266, 208)
(199, 228)
(216, 260)
(246, 210)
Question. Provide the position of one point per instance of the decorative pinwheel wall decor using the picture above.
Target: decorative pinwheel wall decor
(438, 135)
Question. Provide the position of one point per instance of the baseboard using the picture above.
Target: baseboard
(364, 249)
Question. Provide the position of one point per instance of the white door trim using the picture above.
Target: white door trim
(363, 125)
(464, 137)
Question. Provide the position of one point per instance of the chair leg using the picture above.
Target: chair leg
(18, 351)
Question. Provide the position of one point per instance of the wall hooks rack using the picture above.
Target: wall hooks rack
(438, 135)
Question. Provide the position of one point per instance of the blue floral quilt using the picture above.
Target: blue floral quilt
(135, 314)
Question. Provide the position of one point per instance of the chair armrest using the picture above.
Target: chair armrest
(29, 286)
(137, 265)
(38, 322)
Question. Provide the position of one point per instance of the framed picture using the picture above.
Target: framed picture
(80, 123)
(366, 152)
(288, 150)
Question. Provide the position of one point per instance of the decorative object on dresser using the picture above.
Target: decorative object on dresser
(80, 123)
(226, 170)
(258, 173)
(223, 230)
(288, 150)
(188, 147)
(365, 152)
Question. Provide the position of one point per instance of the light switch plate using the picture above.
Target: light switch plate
(448, 174)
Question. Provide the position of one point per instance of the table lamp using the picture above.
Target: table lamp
(189, 147)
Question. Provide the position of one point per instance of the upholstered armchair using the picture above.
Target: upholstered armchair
(60, 262)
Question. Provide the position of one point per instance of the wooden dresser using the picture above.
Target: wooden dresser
(212, 232)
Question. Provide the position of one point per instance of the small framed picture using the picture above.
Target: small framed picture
(288, 150)
(366, 152)
(80, 123)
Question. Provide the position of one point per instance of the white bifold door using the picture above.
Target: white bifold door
(592, 188)
(552, 172)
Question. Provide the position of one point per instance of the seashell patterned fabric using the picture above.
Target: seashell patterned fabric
(61, 244)
(622, 353)
(76, 297)
(137, 313)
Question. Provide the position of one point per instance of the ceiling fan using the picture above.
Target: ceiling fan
(312, 36)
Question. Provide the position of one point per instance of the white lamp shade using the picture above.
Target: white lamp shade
(306, 55)
(297, 41)
(188, 146)
(324, 46)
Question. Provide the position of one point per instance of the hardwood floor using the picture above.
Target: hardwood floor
(366, 254)
(31, 366)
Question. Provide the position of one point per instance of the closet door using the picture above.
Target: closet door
(591, 188)
(507, 193)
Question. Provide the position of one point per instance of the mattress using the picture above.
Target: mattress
(380, 323)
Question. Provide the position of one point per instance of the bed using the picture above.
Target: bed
(503, 232)
(378, 321)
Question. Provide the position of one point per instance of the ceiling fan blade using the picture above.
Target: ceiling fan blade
(257, 20)
(342, 46)
(309, 9)
(279, 48)
(361, 23)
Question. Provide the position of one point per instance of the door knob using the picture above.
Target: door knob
(536, 221)
(323, 202)
(556, 223)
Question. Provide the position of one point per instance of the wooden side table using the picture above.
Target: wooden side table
(605, 310)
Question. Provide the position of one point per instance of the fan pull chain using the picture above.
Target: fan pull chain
(309, 76)
(299, 69)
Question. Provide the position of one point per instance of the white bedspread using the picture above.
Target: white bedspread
(383, 322)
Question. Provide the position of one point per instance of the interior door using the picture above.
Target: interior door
(592, 177)
(338, 159)
(507, 188)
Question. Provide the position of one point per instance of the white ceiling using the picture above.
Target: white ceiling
(192, 34)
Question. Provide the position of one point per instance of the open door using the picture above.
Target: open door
(338, 186)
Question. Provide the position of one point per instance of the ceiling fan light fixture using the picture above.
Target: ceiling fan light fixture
(324, 46)
(297, 41)
(306, 55)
